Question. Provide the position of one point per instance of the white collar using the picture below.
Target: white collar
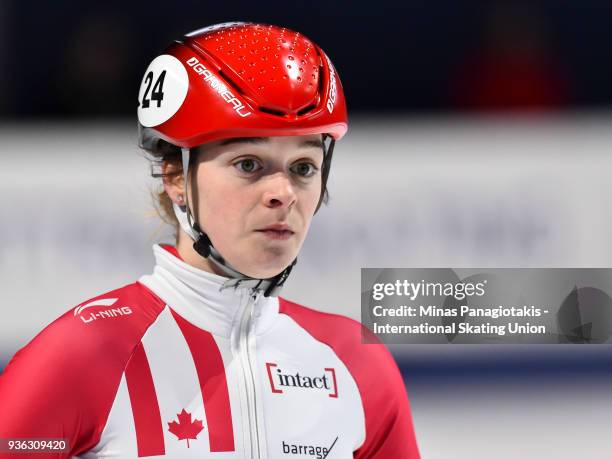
(201, 298)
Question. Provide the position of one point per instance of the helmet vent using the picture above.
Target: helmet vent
(231, 82)
(306, 109)
(321, 72)
(272, 111)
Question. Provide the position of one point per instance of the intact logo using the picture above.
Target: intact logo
(319, 452)
(105, 313)
(218, 86)
(333, 90)
(280, 380)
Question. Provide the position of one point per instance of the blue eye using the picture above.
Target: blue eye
(304, 169)
(247, 165)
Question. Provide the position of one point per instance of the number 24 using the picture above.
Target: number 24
(157, 94)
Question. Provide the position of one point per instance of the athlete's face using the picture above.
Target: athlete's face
(255, 198)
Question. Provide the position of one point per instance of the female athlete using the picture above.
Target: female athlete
(202, 358)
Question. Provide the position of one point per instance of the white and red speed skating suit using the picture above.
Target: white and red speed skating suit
(176, 365)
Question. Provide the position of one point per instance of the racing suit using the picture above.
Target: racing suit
(177, 365)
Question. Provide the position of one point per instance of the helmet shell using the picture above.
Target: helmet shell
(240, 80)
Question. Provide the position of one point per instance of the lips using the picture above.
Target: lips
(277, 227)
(277, 231)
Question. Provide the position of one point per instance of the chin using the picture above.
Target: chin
(266, 269)
(264, 273)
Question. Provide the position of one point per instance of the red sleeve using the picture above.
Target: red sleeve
(389, 429)
(62, 384)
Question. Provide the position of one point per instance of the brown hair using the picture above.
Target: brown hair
(164, 152)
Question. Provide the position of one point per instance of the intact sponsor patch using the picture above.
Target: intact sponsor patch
(281, 379)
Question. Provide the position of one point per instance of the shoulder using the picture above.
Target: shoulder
(354, 344)
(70, 371)
(96, 329)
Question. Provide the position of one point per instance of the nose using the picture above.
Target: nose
(279, 192)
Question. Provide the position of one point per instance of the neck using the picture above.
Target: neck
(185, 249)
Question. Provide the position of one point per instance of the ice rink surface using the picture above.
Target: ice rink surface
(77, 220)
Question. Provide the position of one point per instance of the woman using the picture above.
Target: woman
(202, 358)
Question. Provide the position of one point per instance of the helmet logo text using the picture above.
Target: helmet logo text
(333, 91)
(218, 86)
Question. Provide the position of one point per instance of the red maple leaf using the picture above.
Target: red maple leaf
(184, 429)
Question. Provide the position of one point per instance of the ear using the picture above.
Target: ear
(174, 183)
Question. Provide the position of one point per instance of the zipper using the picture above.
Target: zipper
(247, 367)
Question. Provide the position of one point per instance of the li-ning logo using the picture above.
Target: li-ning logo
(90, 316)
(279, 380)
(333, 91)
(218, 85)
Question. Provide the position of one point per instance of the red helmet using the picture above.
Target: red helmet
(240, 80)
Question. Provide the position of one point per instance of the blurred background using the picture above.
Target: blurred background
(480, 137)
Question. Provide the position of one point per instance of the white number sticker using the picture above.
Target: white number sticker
(162, 91)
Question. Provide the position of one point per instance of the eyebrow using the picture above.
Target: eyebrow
(261, 140)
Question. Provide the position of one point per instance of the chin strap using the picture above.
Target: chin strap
(203, 246)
